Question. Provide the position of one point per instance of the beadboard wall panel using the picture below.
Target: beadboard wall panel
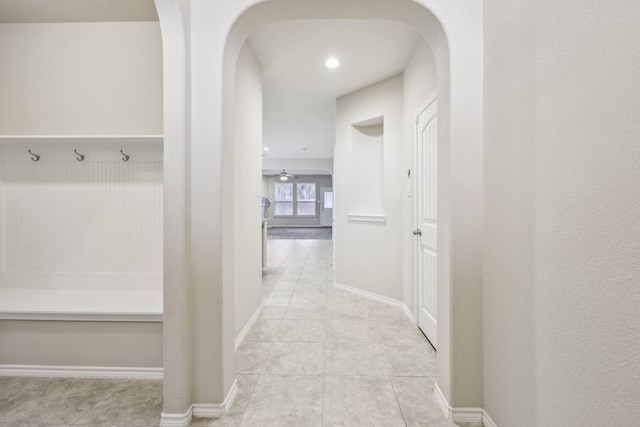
(91, 217)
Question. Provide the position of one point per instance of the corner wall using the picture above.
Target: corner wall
(247, 181)
(369, 255)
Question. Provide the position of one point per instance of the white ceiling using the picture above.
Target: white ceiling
(32, 11)
(299, 92)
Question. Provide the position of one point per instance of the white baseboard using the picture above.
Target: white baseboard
(216, 410)
(176, 420)
(204, 410)
(462, 415)
(379, 298)
(243, 333)
(487, 420)
(81, 372)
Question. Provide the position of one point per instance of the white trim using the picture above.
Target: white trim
(487, 420)
(81, 372)
(176, 420)
(442, 401)
(243, 333)
(83, 317)
(216, 410)
(430, 100)
(367, 218)
(205, 410)
(462, 415)
(409, 314)
(378, 298)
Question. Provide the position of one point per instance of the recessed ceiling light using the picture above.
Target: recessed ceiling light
(332, 62)
(266, 148)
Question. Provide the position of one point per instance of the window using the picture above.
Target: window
(283, 203)
(306, 193)
(296, 202)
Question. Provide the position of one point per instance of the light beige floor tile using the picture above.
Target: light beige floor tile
(295, 358)
(250, 357)
(346, 311)
(311, 286)
(385, 312)
(285, 401)
(277, 298)
(397, 332)
(348, 330)
(246, 384)
(134, 403)
(360, 401)
(300, 330)
(311, 312)
(309, 297)
(273, 312)
(348, 358)
(417, 402)
(416, 360)
(262, 330)
(342, 296)
(283, 285)
(229, 420)
(58, 400)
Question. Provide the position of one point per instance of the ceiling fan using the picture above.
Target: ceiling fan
(285, 176)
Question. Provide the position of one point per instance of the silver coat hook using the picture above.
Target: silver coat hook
(125, 158)
(34, 157)
(80, 156)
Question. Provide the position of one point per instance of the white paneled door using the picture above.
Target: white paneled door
(426, 185)
(326, 206)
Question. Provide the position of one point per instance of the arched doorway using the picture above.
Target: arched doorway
(198, 297)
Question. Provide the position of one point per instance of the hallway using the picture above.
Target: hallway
(317, 356)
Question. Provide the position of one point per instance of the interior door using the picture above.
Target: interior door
(326, 206)
(426, 185)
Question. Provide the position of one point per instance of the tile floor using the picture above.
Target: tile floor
(317, 356)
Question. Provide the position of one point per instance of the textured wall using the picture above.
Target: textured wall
(562, 165)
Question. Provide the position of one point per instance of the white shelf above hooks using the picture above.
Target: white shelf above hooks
(81, 148)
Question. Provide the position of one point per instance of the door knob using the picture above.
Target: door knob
(417, 232)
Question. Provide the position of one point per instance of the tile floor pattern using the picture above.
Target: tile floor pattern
(317, 356)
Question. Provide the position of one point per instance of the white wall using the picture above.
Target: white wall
(81, 79)
(420, 81)
(562, 199)
(247, 185)
(369, 255)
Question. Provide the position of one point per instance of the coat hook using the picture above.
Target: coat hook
(34, 157)
(80, 156)
(125, 158)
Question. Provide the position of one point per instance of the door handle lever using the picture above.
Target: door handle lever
(417, 232)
